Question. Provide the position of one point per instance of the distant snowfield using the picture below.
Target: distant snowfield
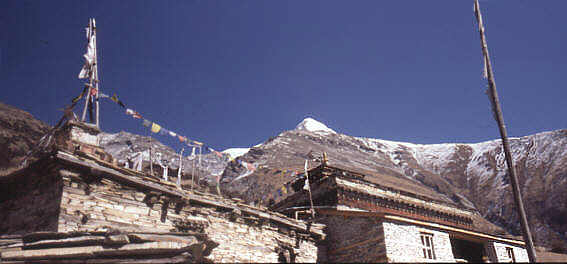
(236, 152)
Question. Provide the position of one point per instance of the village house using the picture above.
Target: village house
(375, 217)
(76, 204)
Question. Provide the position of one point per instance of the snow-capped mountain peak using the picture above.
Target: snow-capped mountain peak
(313, 125)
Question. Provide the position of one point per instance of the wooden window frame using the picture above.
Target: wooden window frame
(427, 247)
(510, 254)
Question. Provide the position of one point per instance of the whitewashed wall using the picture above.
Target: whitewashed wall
(520, 253)
(403, 243)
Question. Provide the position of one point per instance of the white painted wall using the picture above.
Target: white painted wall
(403, 243)
(520, 253)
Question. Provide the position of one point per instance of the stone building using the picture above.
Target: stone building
(76, 205)
(374, 217)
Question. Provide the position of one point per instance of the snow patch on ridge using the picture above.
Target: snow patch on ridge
(236, 152)
(313, 125)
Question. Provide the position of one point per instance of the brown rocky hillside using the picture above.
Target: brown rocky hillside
(19, 131)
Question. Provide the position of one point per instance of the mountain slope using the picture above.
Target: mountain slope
(19, 132)
(471, 175)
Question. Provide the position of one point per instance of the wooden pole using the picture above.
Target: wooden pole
(151, 161)
(95, 66)
(87, 99)
(309, 189)
(193, 170)
(180, 167)
(493, 95)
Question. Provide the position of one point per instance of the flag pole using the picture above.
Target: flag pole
(90, 76)
(493, 95)
(95, 66)
(309, 190)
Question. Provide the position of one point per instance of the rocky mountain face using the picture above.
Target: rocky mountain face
(19, 132)
(471, 175)
(123, 145)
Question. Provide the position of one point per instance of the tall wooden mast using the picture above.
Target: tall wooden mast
(90, 71)
(495, 102)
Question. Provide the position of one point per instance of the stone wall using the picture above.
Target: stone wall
(501, 255)
(353, 239)
(403, 243)
(99, 204)
(29, 202)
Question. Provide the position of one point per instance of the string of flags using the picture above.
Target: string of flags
(158, 129)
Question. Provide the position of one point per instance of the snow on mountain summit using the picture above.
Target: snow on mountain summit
(313, 125)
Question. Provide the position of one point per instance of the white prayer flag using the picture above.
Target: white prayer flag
(306, 186)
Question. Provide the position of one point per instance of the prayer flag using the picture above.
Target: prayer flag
(251, 167)
(306, 186)
(147, 123)
(182, 139)
(129, 111)
(90, 55)
(193, 152)
(115, 99)
(163, 131)
(155, 127)
(137, 115)
(94, 91)
(284, 190)
(171, 133)
(76, 99)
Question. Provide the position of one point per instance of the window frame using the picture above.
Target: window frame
(427, 246)
(510, 254)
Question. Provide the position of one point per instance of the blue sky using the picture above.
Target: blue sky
(233, 73)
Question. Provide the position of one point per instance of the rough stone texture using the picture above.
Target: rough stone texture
(353, 239)
(501, 255)
(29, 203)
(102, 205)
(403, 243)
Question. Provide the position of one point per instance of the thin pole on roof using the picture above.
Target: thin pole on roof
(93, 76)
(180, 168)
(309, 189)
(193, 169)
(493, 95)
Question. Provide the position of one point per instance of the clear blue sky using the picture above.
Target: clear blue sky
(233, 73)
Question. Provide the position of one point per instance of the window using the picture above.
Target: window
(427, 245)
(510, 253)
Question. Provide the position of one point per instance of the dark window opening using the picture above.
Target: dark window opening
(468, 250)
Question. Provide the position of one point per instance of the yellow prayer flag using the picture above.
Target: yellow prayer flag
(284, 190)
(155, 127)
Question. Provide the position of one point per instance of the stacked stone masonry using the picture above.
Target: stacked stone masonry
(354, 239)
(104, 204)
